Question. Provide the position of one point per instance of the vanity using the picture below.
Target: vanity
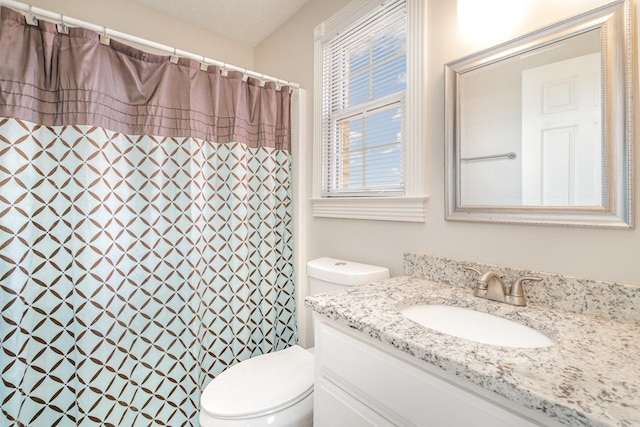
(375, 366)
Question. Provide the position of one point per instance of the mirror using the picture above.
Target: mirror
(539, 129)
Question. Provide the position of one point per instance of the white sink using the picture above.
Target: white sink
(476, 326)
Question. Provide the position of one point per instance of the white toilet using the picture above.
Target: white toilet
(276, 389)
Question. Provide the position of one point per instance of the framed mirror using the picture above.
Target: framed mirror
(540, 129)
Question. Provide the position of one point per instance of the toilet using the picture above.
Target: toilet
(276, 389)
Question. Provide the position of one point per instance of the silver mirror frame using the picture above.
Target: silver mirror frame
(619, 84)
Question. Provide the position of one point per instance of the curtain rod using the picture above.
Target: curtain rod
(63, 19)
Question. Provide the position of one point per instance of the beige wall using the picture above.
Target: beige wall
(140, 21)
(598, 253)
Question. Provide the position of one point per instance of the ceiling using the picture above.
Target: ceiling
(245, 21)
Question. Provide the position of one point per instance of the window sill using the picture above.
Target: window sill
(405, 209)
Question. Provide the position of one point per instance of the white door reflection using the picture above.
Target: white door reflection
(561, 133)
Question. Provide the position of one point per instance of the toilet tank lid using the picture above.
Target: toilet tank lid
(260, 384)
(342, 272)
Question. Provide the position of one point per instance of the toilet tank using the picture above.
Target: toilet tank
(330, 274)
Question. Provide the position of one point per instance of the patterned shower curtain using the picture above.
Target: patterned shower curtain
(145, 229)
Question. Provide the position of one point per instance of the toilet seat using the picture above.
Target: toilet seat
(260, 385)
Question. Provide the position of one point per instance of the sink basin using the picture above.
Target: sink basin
(476, 326)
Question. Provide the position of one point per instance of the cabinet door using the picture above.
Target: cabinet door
(332, 407)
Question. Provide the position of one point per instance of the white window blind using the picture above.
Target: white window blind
(364, 71)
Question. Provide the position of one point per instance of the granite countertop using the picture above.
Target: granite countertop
(590, 377)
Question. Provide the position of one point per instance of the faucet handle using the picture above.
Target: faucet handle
(481, 286)
(516, 295)
(472, 269)
(517, 290)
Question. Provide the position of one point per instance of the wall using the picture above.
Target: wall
(596, 253)
(140, 21)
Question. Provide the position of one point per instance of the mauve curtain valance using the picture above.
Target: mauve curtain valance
(70, 80)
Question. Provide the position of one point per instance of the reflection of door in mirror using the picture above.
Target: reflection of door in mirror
(561, 133)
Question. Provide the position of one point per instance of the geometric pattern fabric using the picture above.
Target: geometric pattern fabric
(133, 270)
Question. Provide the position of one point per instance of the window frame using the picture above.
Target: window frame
(410, 206)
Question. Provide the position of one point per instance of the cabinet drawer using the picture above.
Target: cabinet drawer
(397, 390)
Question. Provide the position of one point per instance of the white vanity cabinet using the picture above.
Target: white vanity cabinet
(362, 382)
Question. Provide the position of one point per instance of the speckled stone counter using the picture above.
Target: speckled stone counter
(590, 377)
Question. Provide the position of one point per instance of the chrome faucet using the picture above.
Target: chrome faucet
(491, 286)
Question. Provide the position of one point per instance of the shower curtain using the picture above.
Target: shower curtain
(145, 229)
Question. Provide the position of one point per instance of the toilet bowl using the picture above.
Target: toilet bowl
(276, 389)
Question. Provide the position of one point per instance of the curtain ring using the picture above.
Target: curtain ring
(203, 65)
(62, 27)
(30, 19)
(174, 58)
(104, 38)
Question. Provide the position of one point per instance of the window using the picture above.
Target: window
(366, 96)
(364, 82)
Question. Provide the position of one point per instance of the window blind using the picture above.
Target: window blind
(364, 83)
